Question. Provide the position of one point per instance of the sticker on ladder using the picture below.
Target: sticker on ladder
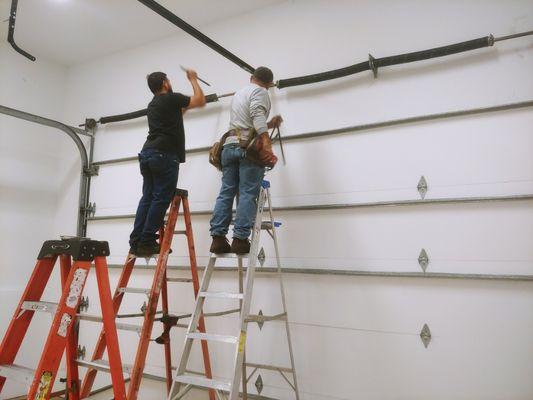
(76, 287)
(45, 385)
(242, 341)
(66, 319)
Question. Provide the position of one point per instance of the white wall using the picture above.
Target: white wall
(356, 337)
(31, 176)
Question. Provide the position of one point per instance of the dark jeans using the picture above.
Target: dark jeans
(160, 176)
(238, 175)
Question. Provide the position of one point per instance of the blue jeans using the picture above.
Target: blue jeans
(238, 175)
(160, 176)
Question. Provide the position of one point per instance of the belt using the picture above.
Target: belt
(237, 132)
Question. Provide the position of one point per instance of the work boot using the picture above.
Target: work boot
(220, 245)
(147, 249)
(240, 246)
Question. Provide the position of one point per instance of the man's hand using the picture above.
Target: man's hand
(191, 75)
(198, 98)
(275, 122)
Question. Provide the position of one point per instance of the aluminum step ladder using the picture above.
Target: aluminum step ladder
(149, 311)
(184, 382)
(61, 336)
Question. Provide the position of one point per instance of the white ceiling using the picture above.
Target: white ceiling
(73, 31)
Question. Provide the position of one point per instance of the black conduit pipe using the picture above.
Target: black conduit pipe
(11, 32)
(374, 63)
(173, 18)
(123, 117)
(210, 98)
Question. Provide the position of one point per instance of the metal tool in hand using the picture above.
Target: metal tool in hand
(276, 134)
(200, 79)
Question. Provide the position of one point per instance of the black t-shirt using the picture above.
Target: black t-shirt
(165, 123)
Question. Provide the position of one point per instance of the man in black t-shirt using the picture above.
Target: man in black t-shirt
(160, 157)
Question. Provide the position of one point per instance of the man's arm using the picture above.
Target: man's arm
(259, 105)
(198, 97)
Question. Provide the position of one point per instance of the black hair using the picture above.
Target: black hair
(264, 75)
(155, 81)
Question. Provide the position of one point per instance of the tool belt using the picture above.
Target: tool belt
(244, 136)
(257, 148)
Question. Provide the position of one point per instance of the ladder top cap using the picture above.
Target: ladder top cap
(81, 249)
(181, 192)
(265, 184)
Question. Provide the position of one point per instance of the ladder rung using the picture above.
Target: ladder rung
(180, 232)
(120, 326)
(102, 365)
(179, 279)
(270, 367)
(133, 290)
(204, 382)
(222, 295)
(17, 373)
(229, 255)
(213, 337)
(43, 306)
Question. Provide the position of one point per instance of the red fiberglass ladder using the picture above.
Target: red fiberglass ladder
(76, 258)
(149, 311)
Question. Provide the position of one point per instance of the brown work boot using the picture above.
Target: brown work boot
(220, 245)
(240, 246)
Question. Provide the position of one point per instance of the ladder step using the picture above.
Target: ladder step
(229, 255)
(17, 373)
(222, 295)
(133, 290)
(102, 365)
(42, 306)
(204, 382)
(120, 326)
(180, 232)
(268, 224)
(270, 367)
(179, 279)
(213, 337)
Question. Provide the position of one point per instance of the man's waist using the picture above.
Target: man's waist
(239, 136)
(234, 131)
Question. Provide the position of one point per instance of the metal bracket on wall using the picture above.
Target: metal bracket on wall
(425, 335)
(260, 322)
(372, 65)
(259, 384)
(82, 351)
(422, 187)
(423, 259)
(261, 256)
(90, 210)
(91, 170)
(89, 124)
(84, 304)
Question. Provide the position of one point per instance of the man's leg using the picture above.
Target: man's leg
(164, 169)
(144, 203)
(250, 177)
(222, 213)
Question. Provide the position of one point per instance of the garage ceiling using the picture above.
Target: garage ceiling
(74, 31)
